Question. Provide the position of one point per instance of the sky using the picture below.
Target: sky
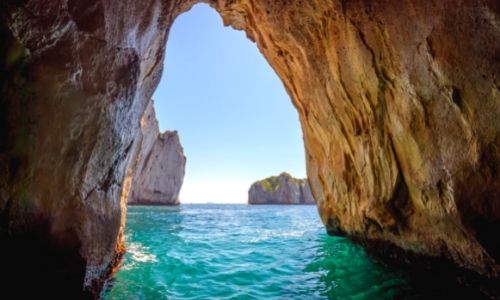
(235, 120)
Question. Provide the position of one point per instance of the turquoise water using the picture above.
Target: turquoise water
(244, 252)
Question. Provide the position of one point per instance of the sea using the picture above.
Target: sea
(246, 252)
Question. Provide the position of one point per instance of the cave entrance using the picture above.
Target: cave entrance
(237, 126)
(235, 120)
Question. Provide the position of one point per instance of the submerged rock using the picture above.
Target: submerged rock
(282, 189)
(161, 165)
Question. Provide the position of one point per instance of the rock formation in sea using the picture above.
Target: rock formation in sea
(160, 165)
(281, 189)
(399, 103)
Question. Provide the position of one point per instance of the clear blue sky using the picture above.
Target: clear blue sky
(234, 117)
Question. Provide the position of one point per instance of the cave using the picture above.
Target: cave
(398, 100)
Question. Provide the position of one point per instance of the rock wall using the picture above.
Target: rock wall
(282, 189)
(75, 79)
(160, 165)
(399, 103)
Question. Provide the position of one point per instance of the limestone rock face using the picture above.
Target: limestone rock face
(282, 189)
(161, 165)
(75, 80)
(399, 103)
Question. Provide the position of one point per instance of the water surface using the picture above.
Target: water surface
(244, 252)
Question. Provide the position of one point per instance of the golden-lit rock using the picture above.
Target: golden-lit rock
(399, 105)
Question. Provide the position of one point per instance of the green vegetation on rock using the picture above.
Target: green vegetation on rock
(272, 184)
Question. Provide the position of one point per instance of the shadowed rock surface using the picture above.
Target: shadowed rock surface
(160, 167)
(399, 103)
(282, 189)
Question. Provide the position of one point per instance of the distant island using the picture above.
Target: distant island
(281, 189)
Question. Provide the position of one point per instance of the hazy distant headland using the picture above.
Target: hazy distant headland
(281, 189)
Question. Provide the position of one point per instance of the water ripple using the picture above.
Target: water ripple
(244, 252)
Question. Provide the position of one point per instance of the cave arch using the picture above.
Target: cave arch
(234, 118)
(391, 157)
